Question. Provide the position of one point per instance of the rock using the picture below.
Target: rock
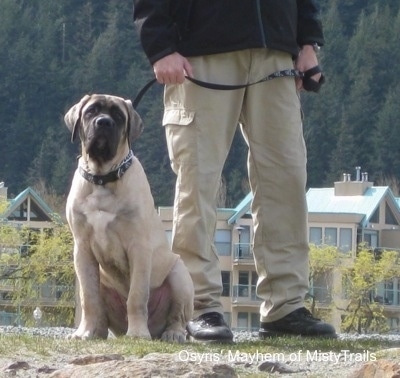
(18, 365)
(274, 367)
(46, 369)
(96, 358)
(378, 369)
(151, 365)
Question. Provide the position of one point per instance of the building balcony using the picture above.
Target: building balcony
(321, 295)
(243, 254)
(46, 295)
(245, 295)
(392, 309)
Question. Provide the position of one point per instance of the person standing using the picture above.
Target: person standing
(238, 42)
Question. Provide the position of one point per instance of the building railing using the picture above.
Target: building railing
(321, 294)
(46, 295)
(246, 329)
(7, 318)
(245, 294)
(243, 252)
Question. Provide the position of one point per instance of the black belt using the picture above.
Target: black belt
(308, 83)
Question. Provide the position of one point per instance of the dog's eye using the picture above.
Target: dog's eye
(118, 115)
(92, 109)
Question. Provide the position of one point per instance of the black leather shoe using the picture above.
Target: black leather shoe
(210, 327)
(298, 323)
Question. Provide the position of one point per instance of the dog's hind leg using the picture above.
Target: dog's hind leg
(115, 308)
(181, 303)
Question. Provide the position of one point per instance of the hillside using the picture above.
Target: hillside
(53, 52)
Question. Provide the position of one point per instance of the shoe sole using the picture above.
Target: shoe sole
(272, 334)
(190, 338)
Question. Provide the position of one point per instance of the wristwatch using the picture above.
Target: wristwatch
(316, 47)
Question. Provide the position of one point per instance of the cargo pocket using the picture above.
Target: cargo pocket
(180, 117)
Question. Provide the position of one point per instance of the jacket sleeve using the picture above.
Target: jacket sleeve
(309, 27)
(157, 31)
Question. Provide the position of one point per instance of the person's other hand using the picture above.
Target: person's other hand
(172, 69)
(307, 59)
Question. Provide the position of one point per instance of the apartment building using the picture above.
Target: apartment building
(26, 210)
(350, 213)
(239, 278)
(345, 215)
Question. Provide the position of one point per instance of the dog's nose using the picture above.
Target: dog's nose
(104, 122)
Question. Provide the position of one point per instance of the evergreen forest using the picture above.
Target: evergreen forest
(54, 52)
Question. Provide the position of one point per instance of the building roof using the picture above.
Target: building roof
(324, 200)
(39, 209)
(241, 209)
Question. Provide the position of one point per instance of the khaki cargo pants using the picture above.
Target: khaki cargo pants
(200, 125)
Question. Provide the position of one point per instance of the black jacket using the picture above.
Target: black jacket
(202, 27)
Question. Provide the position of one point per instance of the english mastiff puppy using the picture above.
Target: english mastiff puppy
(130, 282)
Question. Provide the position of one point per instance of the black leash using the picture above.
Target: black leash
(308, 83)
(230, 87)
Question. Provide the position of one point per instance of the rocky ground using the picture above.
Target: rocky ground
(229, 362)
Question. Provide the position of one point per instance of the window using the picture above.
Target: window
(244, 283)
(255, 321)
(389, 292)
(254, 279)
(226, 283)
(397, 297)
(375, 216)
(331, 236)
(319, 287)
(243, 321)
(8, 318)
(247, 285)
(35, 212)
(371, 238)
(316, 235)
(223, 242)
(345, 239)
(389, 216)
(243, 248)
(394, 324)
(228, 318)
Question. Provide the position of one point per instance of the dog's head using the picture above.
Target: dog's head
(103, 123)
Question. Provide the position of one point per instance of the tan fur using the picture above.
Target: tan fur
(121, 254)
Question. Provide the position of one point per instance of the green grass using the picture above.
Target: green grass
(18, 345)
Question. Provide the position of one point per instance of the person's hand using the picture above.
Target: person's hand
(307, 59)
(172, 69)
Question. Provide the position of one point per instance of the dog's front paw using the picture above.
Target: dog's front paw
(88, 334)
(140, 333)
(174, 336)
(80, 336)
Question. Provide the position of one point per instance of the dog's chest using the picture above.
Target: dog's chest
(108, 221)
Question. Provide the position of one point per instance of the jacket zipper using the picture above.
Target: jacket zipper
(260, 23)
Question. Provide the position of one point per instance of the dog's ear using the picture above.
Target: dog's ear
(73, 117)
(135, 123)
